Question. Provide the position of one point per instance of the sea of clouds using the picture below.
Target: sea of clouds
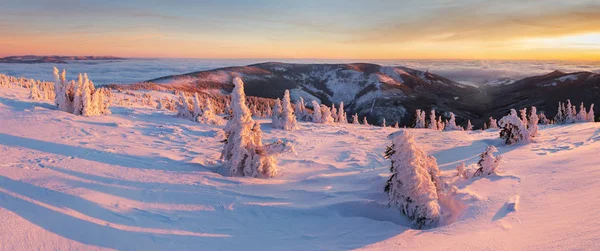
(473, 72)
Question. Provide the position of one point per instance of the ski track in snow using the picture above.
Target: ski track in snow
(142, 179)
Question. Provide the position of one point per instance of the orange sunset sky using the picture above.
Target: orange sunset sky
(468, 29)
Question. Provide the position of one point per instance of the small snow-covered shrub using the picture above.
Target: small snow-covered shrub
(463, 171)
(414, 184)
(512, 129)
(488, 163)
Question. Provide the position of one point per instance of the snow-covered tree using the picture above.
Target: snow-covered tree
(342, 118)
(419, 119)
(334, 113)
(34, 92)
(488, 163)
(469, 125)
(243, 152)
(512, 129)
(60, 90)
(543, 119)
(78, 101)
(89, 107)
(412, 187)
(316, 116)
(207, 114)
(300, 109)
(432, 121)
(560, 114)
(582, 115)
(492, 123)
(285, 118)
(451, 125)
(355, 119)
(590, 114)
(197, 107)
(571, 116)
(365, 122)
(383, 123)
(276, 113)
(533, 122)
(523, 113)
(440, 124)
(396, 125)
(326, 117)
(182, 107)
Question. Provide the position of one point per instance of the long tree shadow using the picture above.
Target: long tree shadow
(138, 217)
(161, 192)
(141, 162)
(18, 105)
(85, 231)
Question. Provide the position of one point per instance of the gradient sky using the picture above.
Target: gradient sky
(355, 29)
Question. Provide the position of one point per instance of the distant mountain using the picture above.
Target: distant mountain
(544, 92)
(392, 93)
(370, 90)
(32, 59)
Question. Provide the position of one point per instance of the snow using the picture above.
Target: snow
(142, 179)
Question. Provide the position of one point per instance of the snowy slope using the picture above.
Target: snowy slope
(142, 179)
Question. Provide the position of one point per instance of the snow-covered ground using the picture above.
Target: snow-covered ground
(142, 179)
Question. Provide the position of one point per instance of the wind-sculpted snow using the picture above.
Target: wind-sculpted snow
(143, 179)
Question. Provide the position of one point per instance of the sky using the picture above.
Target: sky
(332, 29)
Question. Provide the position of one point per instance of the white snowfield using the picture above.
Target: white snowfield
(142, 179)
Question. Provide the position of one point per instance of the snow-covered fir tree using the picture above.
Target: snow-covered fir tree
(419, 119)
(512, 129)
(34, 92)
(183, 107)
(197, 107)
(355, 119)
(276, 113)
(300, 109)
(207, 115)
(243, 152)
(412, 187)
(396, 125)
(492, 123)
(533, 122)
(78, 101)
(440, 124)
(451, 124)
(543, 119)
(365, 122)
(432, 121)
(334, 113)
(316, 116)
(582, 114)
(523, 114)
(488, 163)
(286, 119)
(571, 116)
(383, 123)
(326, 117)
(342, 117)
(469, 125)
(590, 114)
